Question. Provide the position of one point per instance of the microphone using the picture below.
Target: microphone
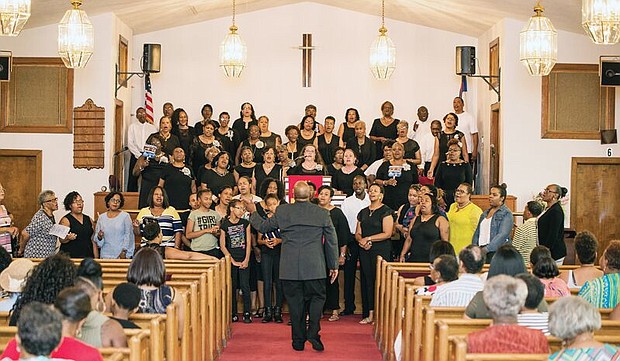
(123, 149)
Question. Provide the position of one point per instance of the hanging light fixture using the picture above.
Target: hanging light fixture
(382, 52)
(539, 44)
(76, 37)
(13, 16)
(233, 52)
(601, 20)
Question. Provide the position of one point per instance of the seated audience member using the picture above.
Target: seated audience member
(509, 262)
(547, 271)
(460, 292)
(526, 234)
(39, 332)
(203, 227)
(98, 330)
(615, 314)
(585, 248)
(574, 321)
(125, 300)
(73, 304)
(505, 297)
(438, 248)
(603, 292)
(529, 316)
(12, 280)
(148, 271)
(444, 270)
(44, 283)
(152, 239)
(538, 253)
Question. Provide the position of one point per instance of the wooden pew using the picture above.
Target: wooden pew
(458, 350)
(117, 356)
(444, 328)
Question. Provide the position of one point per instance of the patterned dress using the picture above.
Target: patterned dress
(605, 353)
(602, 292)
(41, 243)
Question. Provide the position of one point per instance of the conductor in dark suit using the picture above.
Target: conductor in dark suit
(309, 248)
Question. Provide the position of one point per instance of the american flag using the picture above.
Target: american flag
(463, 87)
(148, 98)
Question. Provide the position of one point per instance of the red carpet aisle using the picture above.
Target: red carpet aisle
(343, 340)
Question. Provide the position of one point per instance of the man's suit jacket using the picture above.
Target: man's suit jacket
(303, 227)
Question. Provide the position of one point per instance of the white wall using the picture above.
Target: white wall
(529, 163)
(341, 78)
(96, 81)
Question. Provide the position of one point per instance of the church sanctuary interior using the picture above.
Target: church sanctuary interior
(546, 117)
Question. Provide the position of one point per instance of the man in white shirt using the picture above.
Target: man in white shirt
(371, 172)
(469, 126)
(458, 293)
(421, 127)
(427, 145)
(351, 207)
(136, 138)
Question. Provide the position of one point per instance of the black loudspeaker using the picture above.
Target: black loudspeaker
(151, 58)
(465, 60)
(5, 67)
(610, 73)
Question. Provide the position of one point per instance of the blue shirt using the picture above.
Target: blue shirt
(117, 235)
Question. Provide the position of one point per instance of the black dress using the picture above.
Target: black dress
(348, 135)
(301, 141)
(449, 176)
(167, 145)
(186, 137)
(328, 150)
(215, 182)
(344, 236)
(300, 170)
(380, 130)
(294, 154)
(228, 142)
(198, 127)
(423, 234)
(244, 171)
(411, 147)
(242, 127)
(82, 246)
(178, 186)
(197, 153)
(551, 231)
(405, 175)
(443, 142)
(366, 153)
(257, 153)
(344, 182)
(260, 175)
(270, 140)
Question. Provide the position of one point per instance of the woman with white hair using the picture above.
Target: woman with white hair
(575, 320)
(505, 297)
(36, 241)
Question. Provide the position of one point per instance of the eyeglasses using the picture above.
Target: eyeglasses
(454, 150)
(459, 191)
(547, 190)
(114, 200)
(431, 267)
(51, 200)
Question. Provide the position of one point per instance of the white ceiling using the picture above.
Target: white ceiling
(469, 17)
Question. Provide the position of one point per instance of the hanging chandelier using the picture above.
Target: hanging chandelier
(76, 37)
(539, 44)
(13, 16)
(382, 52)
(601, 20)
(233, 52)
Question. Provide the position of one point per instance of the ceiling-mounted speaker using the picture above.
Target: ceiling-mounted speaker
(5, 66)
(465, 60)
(151, 58)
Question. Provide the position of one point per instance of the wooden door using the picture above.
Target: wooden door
(21, 196)
(494, 146)
(119, 154)
(595, 198)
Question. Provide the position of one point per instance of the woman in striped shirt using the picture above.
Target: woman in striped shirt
(160, 211)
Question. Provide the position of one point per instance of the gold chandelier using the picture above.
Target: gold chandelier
(76, 37)
(538, 44)
(601, 20)
(233, 52)
(13, 16)
(382, 52)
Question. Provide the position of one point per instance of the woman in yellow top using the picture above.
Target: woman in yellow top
(463, 217)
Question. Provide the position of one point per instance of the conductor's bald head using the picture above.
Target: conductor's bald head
(301, 191)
